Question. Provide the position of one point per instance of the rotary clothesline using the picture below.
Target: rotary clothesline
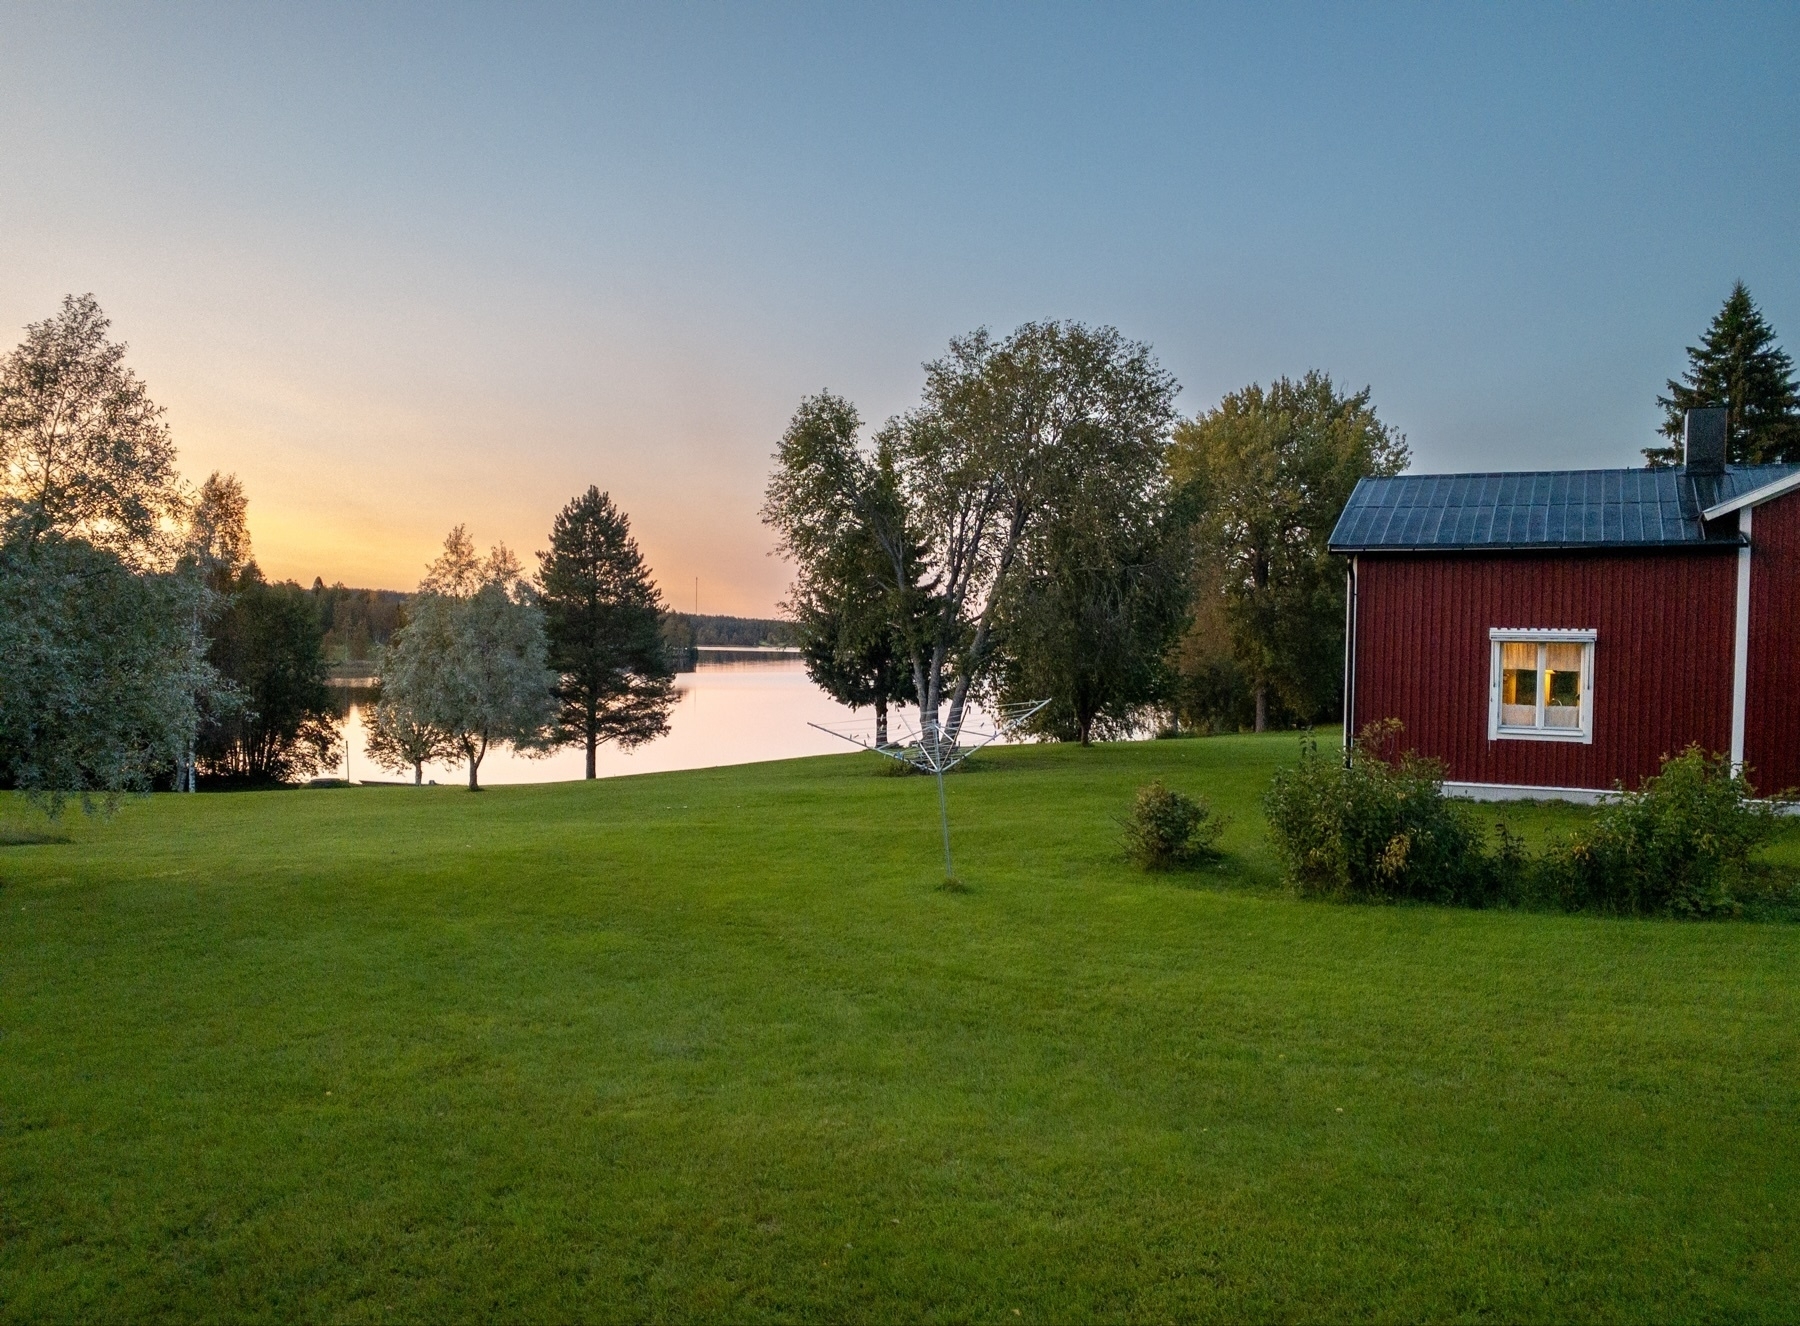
(925, 748)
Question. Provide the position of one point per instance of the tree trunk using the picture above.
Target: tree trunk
(1261, 575)
(881, 722)
(593, 744)
(1085, 726)
(418, 772)
(474, 765)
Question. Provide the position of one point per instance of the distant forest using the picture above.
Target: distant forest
(358, 621)
(683, 630)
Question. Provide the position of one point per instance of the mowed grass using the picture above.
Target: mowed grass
(712, 1046)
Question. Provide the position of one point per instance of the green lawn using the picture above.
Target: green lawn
(711, 1045)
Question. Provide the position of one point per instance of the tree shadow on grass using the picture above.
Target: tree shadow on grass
(13, 836)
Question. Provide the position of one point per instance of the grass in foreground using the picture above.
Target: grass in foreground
(714, 1045)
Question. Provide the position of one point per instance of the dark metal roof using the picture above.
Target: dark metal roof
(1739, 480)
(1544, 509)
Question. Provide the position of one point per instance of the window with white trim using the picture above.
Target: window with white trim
(1542, 685)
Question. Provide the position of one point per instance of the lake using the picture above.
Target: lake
(728, 713)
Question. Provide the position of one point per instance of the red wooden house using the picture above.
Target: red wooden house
(1557, 634)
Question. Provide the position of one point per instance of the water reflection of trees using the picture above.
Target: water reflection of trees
(344, 698)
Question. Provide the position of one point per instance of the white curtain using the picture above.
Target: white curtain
(1562, 685)
(1518, 684)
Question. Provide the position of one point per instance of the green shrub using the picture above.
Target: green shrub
(1678, 846)
(1168, 829)
(1380, 828)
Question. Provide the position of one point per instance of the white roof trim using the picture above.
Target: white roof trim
(1543, 635)
(1755, 497)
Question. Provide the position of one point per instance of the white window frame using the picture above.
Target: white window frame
(1506, 635)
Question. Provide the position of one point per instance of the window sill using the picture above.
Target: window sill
(1541, 734)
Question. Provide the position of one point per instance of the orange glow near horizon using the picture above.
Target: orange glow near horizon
(354, 489)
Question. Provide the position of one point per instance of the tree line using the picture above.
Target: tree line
(487, 657)
(142, 646)
(1043, 525)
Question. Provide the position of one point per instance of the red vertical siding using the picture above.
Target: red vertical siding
(1664, 625)
(1772, 697)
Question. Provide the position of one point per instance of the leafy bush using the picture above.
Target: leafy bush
(1169, 829)
(1379, 827)
(1679, 846)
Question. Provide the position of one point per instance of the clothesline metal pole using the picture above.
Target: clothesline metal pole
(944, 819)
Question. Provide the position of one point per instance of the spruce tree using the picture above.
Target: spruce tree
(1737, 365)
(844, 616)
(603, 615)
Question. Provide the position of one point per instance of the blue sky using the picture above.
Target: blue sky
(401, 267)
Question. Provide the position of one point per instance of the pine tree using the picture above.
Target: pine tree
(1739, 366)
(604, 617)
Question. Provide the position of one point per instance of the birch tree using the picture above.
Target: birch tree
(1005, 431)
(99, 662)
(471, 661)
(84, 451)
(398, 738)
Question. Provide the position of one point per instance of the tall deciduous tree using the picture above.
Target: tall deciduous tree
(84, 451)
(1739, 366)
(398, 739)
(218, 532)
(214, 552)
(471, 659)
(99, 664)
(280, 723)
(98, 671)
(1089, 621)
(603, 620)
(1270, 471)
(1009, 432)
(269, 717)
(1005, 430)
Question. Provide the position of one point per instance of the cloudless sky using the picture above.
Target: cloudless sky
(404, 267)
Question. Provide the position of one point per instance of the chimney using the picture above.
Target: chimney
(1703, 441)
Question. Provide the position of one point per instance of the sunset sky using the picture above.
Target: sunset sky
(404, 267)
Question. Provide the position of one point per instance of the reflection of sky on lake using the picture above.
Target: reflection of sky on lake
(729, 713)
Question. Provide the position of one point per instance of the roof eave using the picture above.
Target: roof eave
(1665, 545)
(1755, 497)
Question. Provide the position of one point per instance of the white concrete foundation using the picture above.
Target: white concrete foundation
(1586, 796)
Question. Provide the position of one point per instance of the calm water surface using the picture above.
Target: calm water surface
(728, 713)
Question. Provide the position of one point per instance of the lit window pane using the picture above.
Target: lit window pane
(1518, 684)
(1541, 686)
(1562, 686)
